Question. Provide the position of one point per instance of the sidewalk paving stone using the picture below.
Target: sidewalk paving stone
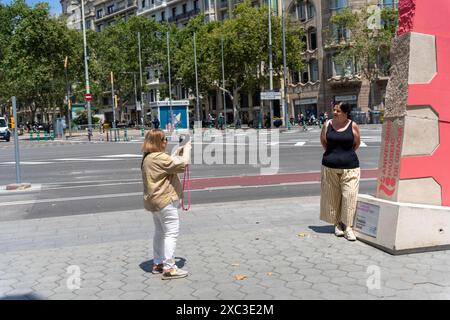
(215, 248)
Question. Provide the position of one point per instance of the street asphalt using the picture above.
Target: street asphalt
(75, 176)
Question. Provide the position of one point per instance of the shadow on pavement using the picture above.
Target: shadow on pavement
(147, 265)
(322, 229)
(28, 296)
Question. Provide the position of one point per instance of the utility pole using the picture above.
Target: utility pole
(135, 93)
(223, 85)
(270, 62)
(143, 113)
(197, 103)
(69, 102)
(170, 81)
(285, 100)
(16, 141)
(86, 73)
(113, 101)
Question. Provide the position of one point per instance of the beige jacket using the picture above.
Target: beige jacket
(161, 182)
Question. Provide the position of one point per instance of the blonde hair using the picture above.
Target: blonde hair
(153, 141)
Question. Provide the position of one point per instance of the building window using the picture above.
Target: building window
(184, 7)
(143, 3)
(339, 4)
(390, 3)
(343, 70)
(340, 33)
(206, 5)
(153, 17)
(313, 40)
(99, 13)
(224, 15)
(305, 76)
(110, 9)
(311, 10)
(99, 27)
(314, 67)
(130, 3)
(88, 24)
(295, 76)
(302, 12)
(174, 12)
(163, 16)
(195, 4)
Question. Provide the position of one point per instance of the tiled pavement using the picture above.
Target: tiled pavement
(243, 250)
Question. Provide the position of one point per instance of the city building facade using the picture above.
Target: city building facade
(310, 91)
(323, 81)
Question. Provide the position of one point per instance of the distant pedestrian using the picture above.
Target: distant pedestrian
(156, 123)
(220, 121)
(340, 172)
(162, 191)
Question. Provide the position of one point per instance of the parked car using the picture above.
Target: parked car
(5, 134)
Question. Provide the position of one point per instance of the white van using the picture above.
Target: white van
(5, 134)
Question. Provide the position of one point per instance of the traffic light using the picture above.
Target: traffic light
(12, 122)
(116, 100)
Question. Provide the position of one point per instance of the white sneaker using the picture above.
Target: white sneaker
(338, 232)
(349, 235)
(174, 273)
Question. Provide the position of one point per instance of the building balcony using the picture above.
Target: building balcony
(307, 87)
(115, 12)
(183, 16)
(156, 5)
(344, 80)
(223, 5)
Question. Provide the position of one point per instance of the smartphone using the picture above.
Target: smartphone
(184, 138)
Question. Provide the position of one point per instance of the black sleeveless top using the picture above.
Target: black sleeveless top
(340, 153)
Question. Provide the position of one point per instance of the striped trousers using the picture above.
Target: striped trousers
(339, 193)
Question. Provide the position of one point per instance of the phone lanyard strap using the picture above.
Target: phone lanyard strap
(187, 188)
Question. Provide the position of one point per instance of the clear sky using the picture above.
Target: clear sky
(55, 6)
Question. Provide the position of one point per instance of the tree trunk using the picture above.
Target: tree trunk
(236, 108)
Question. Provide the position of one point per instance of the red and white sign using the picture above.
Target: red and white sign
(88, 97)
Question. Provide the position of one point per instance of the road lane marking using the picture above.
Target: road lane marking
(123, 156)
(133, 194)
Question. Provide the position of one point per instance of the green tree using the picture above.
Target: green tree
(32, 57)
(245, 38)
(369, 42)
(116, 50)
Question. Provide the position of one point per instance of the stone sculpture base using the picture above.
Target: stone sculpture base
(402, 228)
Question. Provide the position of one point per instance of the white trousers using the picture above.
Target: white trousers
(167, 225)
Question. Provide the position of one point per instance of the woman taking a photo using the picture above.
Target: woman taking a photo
(340, 138)
(162, 190)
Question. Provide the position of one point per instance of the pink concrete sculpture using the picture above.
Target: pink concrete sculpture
(414, 163)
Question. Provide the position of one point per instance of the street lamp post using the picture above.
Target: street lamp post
(223, 84)
(270, 62)
(197, 103)
(170, 81)
(69, 102)
(86, 72)
(285, 101)
(143, 113)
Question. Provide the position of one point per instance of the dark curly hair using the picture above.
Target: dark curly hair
(346, 108)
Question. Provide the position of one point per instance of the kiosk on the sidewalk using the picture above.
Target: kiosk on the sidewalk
(180, 112)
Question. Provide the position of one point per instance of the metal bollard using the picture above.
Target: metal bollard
(125, 134)
(45, 135)
(52, 135)
(142, 132)
(38, 136)
(31, 135)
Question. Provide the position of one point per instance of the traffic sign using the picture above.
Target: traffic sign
(88, 96)
(270, 95)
